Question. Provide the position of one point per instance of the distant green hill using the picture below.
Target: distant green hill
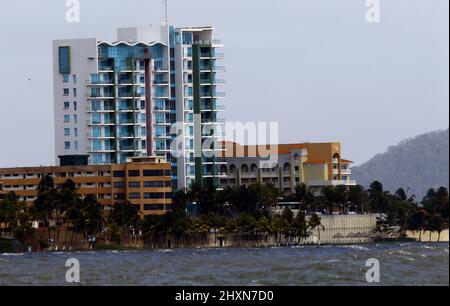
(417, 163)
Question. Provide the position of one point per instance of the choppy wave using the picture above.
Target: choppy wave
(299, 265)
(357, 247)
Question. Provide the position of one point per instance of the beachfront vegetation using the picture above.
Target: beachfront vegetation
(244, 212)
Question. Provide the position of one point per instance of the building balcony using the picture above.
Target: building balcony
(346, 171)
(98, 96)
(331, 183)
(89, 109)
(129, 95)
(161, 83)
(101, 150)
(100, 83)
(105, 68)
(207, 42)
(90, 122)
(101, 136)
(214, 82)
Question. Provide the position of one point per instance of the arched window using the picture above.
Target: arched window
(287, 167)
(223, 169)
(254, 168)
(336, 158)
(244, 168)
(232, 169)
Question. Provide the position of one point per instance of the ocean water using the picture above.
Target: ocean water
(400, 264)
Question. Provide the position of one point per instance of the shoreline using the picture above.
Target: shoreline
(118, 248)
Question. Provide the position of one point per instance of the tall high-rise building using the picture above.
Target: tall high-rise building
(137, 95)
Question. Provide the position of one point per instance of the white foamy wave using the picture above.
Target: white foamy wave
(356, 247)
(12, 254)
(399, 252)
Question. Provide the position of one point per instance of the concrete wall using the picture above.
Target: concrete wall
(427, 236)
(351, 229)
(345, 229)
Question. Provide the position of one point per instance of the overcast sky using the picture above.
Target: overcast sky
(316, 66)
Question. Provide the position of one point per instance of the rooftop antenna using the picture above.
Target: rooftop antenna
(166, 12)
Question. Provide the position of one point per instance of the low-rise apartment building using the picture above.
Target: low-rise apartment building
(143, 181)
(2, 192)
(315, 164)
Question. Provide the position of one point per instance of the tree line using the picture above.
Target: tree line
(244, 212)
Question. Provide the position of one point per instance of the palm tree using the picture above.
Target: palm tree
(12, 211)
(93, 218)
(331, 198)
(342, 196)
(300, 227)
(263, 227)
(44, 204)
(378, 198)
(288, 218)
(277, 226)
(404, 209)
(316, 222)
(436, 224)
(304, 195)
(122, 220)
(357, 195)
(418, 221)
(66, 198)
(403, 196)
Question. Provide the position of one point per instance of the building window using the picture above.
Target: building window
(148, 184)
(118, 173)
(75, 92)
(76, 145)
(134, 184)
(66, 105)
(119, 196)
(67, 145)
(75, 105)
(64, 60)
(97, 132)
(66, 91)
(153, 195)
(134, 195)
(97, 145)
(98, 158)
(74, 78)
(66, 118)
(119, 185)
(153, 207)
(75, 119)
(153, 172)
(65, 78)
(134, 173)
(66, 132)
(75, 132)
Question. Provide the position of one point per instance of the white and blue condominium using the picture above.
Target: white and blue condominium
(115, 100)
